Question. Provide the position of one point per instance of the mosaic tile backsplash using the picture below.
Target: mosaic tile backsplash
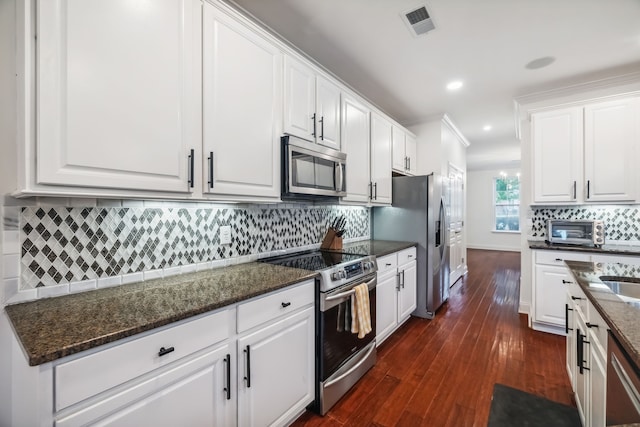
(621, 222)
(68, 244)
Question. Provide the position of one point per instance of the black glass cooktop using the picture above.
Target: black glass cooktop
(312, 260)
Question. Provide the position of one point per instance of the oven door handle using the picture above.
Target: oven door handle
(356, 366)
(347, 293)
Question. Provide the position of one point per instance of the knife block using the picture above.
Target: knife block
(331, 241)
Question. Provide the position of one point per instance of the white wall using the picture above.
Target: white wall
(480, 234)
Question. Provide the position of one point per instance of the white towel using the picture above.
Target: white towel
(360, 311)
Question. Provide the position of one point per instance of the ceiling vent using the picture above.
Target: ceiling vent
(418, 21)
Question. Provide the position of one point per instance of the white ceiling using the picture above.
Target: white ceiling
(484, 43)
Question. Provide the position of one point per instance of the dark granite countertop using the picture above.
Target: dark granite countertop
(376, 247)
(604, 249)
(56, 327)
(623, 318)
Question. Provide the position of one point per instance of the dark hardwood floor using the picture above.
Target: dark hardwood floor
(441, 372)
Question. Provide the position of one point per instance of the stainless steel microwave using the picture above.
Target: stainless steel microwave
(575, 232)
(310, 170)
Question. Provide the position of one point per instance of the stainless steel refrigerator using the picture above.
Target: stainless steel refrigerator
(419, 214)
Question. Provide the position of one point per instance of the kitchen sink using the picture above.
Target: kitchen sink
(628, 288)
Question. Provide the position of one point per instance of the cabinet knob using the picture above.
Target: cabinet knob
(559, 259)
(286, 304)
(575, 298)
(566, 281)
(591, 325)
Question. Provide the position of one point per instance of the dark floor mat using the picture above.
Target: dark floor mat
(511, 407)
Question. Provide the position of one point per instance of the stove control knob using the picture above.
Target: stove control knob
(367, 265)
(340, 274)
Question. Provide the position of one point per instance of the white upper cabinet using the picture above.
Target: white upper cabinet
(610, 154)
(299, 99)
(586, 154)
(404, 152)
(117, 104)
(411, 151)
(380, 160)
(355, 143)
(328, 113)
(311, 105)
(557, 155)
(242, 95)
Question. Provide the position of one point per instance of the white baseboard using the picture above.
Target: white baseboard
(524, 308)
(551, 329)
(494, 247)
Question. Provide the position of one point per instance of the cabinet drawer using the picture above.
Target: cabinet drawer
(580, 300)
(387, 263)
(599, 327)
(558, 257)
(87, 376)
(274, 305)
(406, 256)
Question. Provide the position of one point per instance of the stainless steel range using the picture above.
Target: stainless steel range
(341, 357)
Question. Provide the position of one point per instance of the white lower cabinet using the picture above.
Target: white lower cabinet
(249, 364)
(276, 371)
(550, 280)
(396, 296)
(197, 387)
(586, 357)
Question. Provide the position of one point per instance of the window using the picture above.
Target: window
(507, 203)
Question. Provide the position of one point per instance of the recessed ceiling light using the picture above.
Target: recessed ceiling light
(486, 128)
(454, 85)
(540, 62)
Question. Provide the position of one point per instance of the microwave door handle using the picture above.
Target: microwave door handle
(338, 176)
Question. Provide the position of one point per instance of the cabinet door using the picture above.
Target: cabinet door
(550, 293)
(399, 153)
(299, 99)
(598, 392)
(412, 154)
(328, 113)
(242, 109)
(407, 298)
(610, 140)
(557, 156)
(571, 340)
(386, 305)
(380, 159)
(355, 143)
(116, 100)
(192, 393)
(582, 379)
(276, 371)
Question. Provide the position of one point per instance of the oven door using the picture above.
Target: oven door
(337, 343)
(312, 170)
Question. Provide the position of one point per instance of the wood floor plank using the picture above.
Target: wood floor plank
(442, 371)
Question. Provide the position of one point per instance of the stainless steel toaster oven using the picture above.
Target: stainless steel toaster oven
(575, 232)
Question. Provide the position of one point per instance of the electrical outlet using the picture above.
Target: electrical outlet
(225, 235)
